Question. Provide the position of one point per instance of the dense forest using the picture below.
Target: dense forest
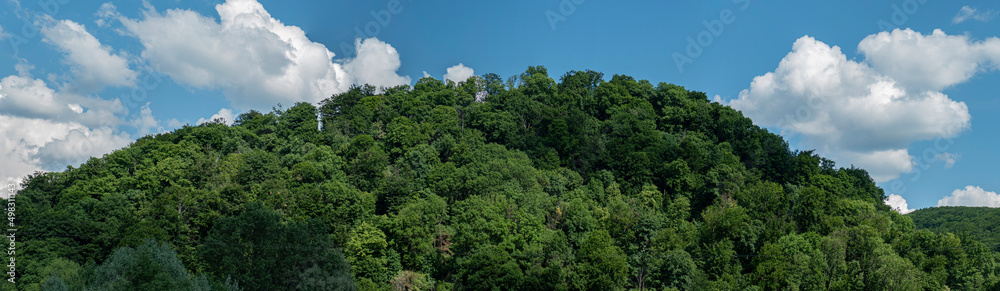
(978, 223)
(522, 183)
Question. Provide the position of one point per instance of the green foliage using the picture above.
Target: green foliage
(150, 266)
(978, 223)
(603, 265)
(523, 183)
(260, 252)
(490, 267)
(368, 254)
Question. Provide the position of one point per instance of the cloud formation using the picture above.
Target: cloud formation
(867, 113)
(145, 123)
(42, 128)
(376, 64)
(27, 97)
(255, 59)
(79, 144)
(459, 73)
(32, 142)
(224, 113)
(971, 196)
(93, 65)
(929, 62)
(898, 203)
(966, 13)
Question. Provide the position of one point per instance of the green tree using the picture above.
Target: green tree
(792, 263)
(150, 266)
(259, 252)
(602, 263)
(490, 267)
(366, 250)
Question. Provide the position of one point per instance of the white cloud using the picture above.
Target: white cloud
(718, 99)
(223, 113)
(949, 159)
(882, 165)
(255, 59)
(376, 64)
(80, 144)
(858, 113)
(929, 62)
(27, 97)
(426, 74)
(43, 129)
(898, 203)
(971, 196)
(967, 12)
(75, 107)
(3, 34)
(32, 144)
(93, 64)
(105, 14)
(23, 68)
(145, 123)
(21, 138)
(459, 73)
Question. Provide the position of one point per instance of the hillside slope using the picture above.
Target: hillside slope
(979, 223)
(527, 183)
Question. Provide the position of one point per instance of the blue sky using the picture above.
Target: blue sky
(914, 105)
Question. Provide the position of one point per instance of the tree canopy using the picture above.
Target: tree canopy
(977, 223)
(525, 183)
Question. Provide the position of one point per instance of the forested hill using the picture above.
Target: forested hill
(979, 223)
(523, 183)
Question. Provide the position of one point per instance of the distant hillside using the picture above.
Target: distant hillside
(979, 223)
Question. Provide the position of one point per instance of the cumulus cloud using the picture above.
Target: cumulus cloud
(145, 123)
(32, 144)
(867, 113)
(93, 65)
(80, 144)
(375, 64)
(971, 196)
(44, 129)
(224, 113)
(255, 59)
(459, 73)
(898, 203)
(929, 62)
(28, 97)
(966, 13)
